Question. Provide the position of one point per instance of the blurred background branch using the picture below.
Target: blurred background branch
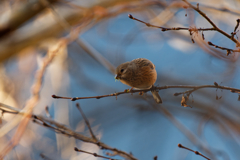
(29, 36)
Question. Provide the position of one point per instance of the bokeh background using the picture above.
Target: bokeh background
(102, 37)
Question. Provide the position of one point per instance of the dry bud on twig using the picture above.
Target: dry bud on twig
(184, 101)
(196, 152)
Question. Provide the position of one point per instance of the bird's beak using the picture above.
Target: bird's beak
(117, 77)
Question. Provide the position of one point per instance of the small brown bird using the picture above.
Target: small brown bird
(140, 74)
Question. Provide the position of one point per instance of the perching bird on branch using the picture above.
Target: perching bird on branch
(139, 74)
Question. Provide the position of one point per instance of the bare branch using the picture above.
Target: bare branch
(223, 48)
(193, 88)
(212, 23)
(215, 28)
(169, 29)
(62, 129)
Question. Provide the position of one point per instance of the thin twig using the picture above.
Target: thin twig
(196, 152)
(86, 121)
(169, 29)
(94, 154)
(235, 29)
(193, 88)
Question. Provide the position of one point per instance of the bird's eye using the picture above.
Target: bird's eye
(122, 70)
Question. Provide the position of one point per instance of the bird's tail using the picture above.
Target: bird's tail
(156, 96)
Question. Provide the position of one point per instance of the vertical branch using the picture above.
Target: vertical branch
(87, 122)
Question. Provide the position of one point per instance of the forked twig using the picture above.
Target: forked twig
(192, 30)
(212, 23)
